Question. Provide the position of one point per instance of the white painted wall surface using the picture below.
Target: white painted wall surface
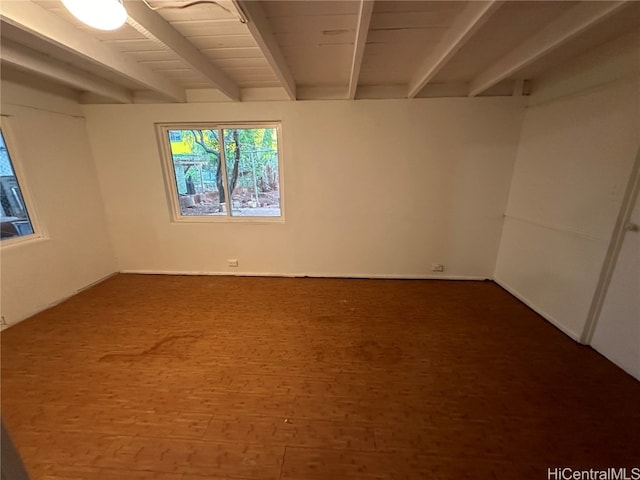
(54, 153)
(371, 188)
(573, 163)
(617, 334)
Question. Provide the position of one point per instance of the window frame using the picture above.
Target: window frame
(13, 152)
(164, 146)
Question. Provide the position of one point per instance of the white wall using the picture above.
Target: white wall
(617, 334)
(574, 159)
(372, 188)
(52, 148)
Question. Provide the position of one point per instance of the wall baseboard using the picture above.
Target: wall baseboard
(570, 333)
(312, 275)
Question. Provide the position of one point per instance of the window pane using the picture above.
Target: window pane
(198, 171)
(14, 217)
(252, 171)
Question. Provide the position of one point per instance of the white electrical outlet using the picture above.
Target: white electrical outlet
(437, 267)
(232, 262)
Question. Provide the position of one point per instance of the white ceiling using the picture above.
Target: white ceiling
(305, 49)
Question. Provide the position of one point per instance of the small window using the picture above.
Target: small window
(15, 221)
(223, 171)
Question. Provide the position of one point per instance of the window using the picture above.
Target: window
(14, 217)
(226, 171)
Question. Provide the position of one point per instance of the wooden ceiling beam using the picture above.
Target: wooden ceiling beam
(37, 21)
(556, 33)
(464, 27)
(362, 30)
(36, 63)
(151, 24)
(262, 33)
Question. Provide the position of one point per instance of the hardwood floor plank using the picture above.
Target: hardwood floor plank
(111, 420)
(193, 457)
(449, 437)
(354, 410)
(316, 464)
(52, 447)
(290, 432)
(64, 472)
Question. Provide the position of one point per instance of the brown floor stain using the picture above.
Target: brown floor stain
(171, 345)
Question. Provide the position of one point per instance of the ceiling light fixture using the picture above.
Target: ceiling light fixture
(100, 14)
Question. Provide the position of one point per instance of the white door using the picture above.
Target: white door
(617, 334)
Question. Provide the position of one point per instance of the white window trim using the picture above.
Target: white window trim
(164, 146)
(15, 157)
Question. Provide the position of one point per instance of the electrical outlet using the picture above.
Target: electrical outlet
(437, 267)
(232, 262)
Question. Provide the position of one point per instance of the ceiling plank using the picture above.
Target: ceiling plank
(35, 20)
(464, 27)
(153, 26)
(364, 19)
(43, 65)
(263, 35)
(564, 28)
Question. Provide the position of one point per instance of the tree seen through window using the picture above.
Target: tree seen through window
(226, 171)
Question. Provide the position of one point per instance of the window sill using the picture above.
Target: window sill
(225, 219)
(14, 242)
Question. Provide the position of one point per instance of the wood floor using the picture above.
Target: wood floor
(194, 378)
